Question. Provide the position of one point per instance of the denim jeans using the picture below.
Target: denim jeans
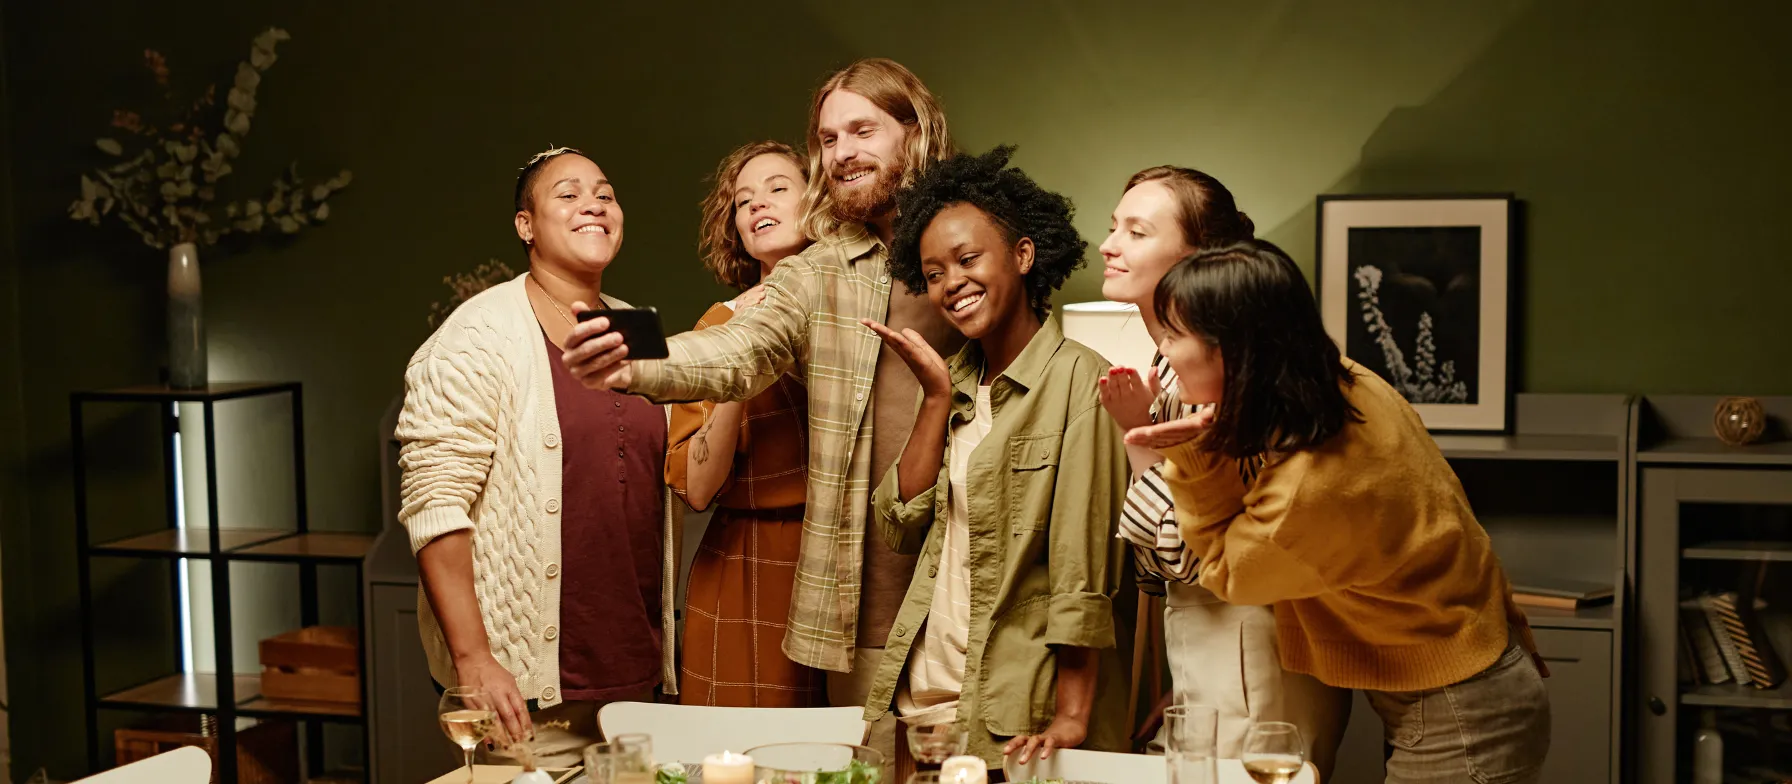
(1490, 729)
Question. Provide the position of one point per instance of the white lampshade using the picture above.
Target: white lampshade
(1114, 329)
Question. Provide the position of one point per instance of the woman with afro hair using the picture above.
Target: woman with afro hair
(1008, 485)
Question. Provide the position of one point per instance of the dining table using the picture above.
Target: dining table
(1231, 771)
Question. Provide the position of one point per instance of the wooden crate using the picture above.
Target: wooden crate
(267, 753)
(313, 664)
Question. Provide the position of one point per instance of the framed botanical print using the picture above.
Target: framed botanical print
(1416, 289)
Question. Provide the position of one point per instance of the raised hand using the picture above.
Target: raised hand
(595, 355)
(1127, 396)
(1173, 432)
(922, 360)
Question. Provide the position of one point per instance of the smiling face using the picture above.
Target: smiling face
(1200, 370)
(975, 276)
(768, 196)
(1145, 239)
(862, 156)
(573, 220)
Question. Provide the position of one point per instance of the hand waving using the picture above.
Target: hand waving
(922, 360)
(1127, 396)
(1173, 432)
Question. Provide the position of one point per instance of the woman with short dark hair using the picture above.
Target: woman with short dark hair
(1309, 484)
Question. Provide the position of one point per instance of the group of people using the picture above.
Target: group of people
(925, 495)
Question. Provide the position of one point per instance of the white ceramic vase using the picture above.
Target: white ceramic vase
(186, 319)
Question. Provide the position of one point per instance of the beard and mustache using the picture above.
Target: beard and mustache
(861, 204)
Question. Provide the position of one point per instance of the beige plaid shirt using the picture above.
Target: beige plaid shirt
(808, 324)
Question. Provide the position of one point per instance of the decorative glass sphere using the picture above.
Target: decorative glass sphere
(1739, 420)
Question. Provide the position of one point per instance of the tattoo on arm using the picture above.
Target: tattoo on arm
(700, 444)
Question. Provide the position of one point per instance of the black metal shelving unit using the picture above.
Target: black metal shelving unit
(226, 698)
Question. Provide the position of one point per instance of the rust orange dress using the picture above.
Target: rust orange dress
(738, 602)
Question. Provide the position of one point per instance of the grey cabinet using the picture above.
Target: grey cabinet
(406, 745)
(1688, 528)
(1580, 705)
(409, 746)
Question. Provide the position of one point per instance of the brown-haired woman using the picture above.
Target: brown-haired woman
(1220, 654)
(748, 458)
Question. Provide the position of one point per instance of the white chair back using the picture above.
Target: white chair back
(688, 733)
(1105, 767)
(185, 765)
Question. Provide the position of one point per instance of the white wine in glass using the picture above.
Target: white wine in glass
(1274, 752)
(467, 717)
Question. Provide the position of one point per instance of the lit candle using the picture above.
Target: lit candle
(727, 768)
(964, 769)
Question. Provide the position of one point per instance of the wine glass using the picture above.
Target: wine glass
(1274, 752)
(467, 717)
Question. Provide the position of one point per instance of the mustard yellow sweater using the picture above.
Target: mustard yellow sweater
(1379, 574)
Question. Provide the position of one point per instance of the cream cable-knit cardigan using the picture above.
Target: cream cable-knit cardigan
(481, 450)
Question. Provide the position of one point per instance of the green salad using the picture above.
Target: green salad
(856, 772)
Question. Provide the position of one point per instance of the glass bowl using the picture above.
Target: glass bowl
(817, 763)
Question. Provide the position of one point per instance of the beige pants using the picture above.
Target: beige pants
(1225, 656)
(562, 747)
(854, 689)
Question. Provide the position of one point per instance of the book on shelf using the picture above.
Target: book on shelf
(1560, 594)
(1711, 666)
(1725, 645)
(1740, 620)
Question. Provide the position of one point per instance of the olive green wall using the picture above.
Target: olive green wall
(12, 423)
(1645, 138)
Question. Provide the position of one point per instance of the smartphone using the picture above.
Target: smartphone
(639, 327)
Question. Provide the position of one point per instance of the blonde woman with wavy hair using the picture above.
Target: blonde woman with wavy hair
(872, 127)
(748, 458)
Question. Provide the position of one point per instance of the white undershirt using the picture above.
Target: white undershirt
(936, 664)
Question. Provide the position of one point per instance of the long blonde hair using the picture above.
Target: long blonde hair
(718, 239)
(899, 93)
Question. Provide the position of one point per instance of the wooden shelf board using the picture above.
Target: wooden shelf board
(1598, 616)
(1740, 551)
(177, 542)
(1711, 450)
(1730, 695)
(309, 546)
(261, 706)
(1530, 447)
(196, 691)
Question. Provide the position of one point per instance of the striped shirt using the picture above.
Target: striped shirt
(808, 324)
(1148, 521)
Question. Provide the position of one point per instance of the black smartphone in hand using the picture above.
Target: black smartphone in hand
(639, 327)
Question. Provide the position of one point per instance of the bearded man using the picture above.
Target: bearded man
(873, 127)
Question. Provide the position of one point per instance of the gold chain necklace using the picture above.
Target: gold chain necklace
(564, 311)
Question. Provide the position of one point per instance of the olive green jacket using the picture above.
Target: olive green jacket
(1047, 484)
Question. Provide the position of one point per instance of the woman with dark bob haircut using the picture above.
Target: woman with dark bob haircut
(1313, 486)
(1008, 485)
